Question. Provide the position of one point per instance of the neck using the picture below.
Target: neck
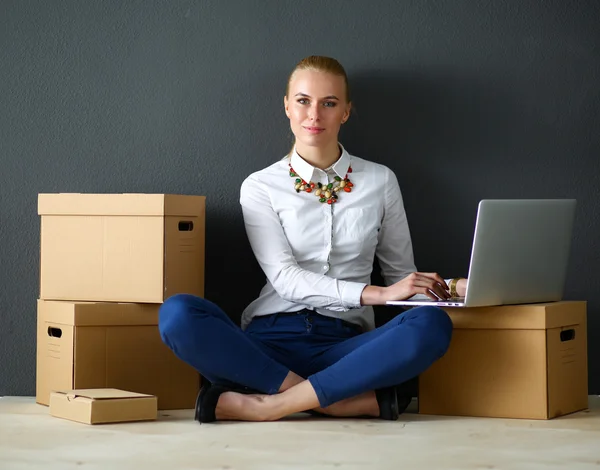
(320, 157)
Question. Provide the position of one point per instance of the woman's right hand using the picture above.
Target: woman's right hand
(430, 284)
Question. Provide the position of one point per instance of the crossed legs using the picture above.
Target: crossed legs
(346, 374)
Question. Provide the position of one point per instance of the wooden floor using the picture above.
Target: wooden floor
(31, 439)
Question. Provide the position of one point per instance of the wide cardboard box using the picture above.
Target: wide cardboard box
(121, 247)
(512, 361)
(103, 405)
(83, 345)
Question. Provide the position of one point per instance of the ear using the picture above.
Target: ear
(347, 113)
(285, 105)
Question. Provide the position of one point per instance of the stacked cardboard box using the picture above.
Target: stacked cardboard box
(108, 261)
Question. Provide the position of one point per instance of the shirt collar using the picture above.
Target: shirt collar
(306, 171)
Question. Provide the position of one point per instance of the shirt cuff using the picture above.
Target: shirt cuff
(351, 294)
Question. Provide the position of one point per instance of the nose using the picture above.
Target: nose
(313, 112)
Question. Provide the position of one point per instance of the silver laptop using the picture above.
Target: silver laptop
(520, 254)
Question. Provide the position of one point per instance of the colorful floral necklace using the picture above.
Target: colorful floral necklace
(325, 192)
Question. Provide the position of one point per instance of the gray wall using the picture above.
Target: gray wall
(462, 99)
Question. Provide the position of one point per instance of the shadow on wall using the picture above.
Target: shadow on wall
(448, 139)
(236, 277)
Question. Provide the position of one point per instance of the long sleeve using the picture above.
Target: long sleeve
(394, 247)
(275, 256)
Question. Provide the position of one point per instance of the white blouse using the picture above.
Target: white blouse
(317, 255)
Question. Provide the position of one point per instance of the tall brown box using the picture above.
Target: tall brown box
(87, 345)
(121, 247)
(520, 361)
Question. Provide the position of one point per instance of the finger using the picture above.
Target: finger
(438, 278)
(428, 292)
(441, 292)
(430, 285)
(433, 283)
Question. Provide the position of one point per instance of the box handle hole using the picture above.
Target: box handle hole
(567, 335)
(186, 226)
(54, 332)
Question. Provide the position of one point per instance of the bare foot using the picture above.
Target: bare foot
(241, 407)
(364, 404)
(238, 406)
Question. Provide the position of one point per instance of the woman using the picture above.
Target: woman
(315, 221)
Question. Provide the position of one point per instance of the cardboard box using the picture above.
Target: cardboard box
(84, 345)
(520, 361)
(121, 247)
(98, 406)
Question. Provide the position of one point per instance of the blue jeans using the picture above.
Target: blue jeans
(338, 359)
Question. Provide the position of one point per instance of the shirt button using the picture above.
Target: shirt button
(325, 267)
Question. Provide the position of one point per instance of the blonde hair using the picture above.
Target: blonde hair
(320, 64)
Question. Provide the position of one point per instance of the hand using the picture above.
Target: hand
(461, 287)
(430, 284)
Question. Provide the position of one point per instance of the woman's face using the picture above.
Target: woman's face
(316, 106)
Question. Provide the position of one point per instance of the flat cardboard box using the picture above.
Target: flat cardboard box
(512, 361)
(98, 406)
(83, 345)
(121, 247)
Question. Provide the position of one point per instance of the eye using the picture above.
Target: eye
(329, 104)
(303, 101)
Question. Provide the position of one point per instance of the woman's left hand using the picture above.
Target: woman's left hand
(461, 287)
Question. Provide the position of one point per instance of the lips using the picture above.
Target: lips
(314, 130)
